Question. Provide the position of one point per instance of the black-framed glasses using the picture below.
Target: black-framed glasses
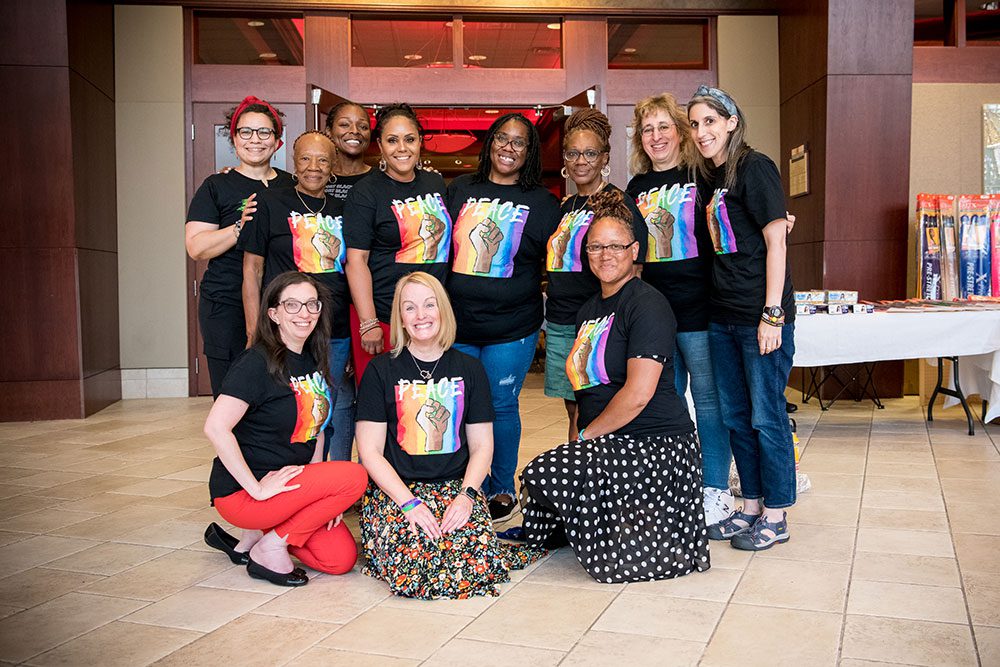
(590, 155)
(613, 248)
(263, 133)
(292, 306)
(517, 143)
(663, 128)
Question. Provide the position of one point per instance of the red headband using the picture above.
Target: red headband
(251, 100)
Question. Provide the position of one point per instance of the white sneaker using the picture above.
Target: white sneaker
(719, 505)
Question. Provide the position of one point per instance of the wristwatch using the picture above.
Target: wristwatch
(471, 493)
(773, 315)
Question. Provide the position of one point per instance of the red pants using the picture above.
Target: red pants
(326, 490)
(358, 354)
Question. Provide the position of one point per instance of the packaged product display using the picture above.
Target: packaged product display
(949, 248)
(994, 212)
(959, 246)
(974, 237)
(929, 229)
(841, 296)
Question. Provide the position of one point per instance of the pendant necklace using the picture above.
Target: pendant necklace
(426, 375)
(315, 213)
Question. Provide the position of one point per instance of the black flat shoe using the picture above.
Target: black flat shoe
(219, 539)
(296, 577)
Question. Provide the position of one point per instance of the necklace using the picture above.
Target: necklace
(299, 195)
(426, 375)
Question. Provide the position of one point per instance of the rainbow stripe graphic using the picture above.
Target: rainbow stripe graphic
(424, 229)
(487, 236)
(312, 406)
(585, 363)
(719, 226)
(429, 414)
(564, 251)
(669, 215)
(318, 242)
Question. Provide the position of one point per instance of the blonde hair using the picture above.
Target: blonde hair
(638, 161)
(398, 336)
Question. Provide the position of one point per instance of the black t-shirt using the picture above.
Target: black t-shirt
(571, 282)
(341, 187)
(679, 255)
(280, 427)
(736, 219)
(290, 238)
(495, 281)
(634, 322)
(404, 226)
(219, 201)
(425, 420)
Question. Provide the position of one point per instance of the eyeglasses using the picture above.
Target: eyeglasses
(263, 133)
(589, 155)
(613, 248)
(647, 131)
(293, 306)
(517, 143)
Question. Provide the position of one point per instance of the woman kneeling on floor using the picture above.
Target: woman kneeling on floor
(267, 429)
(626, 495)
(425, 434)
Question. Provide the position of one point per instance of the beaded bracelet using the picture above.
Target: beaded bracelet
(367, 326)
(773, 321)
(410, 504)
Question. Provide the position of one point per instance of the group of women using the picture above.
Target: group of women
(434, 294)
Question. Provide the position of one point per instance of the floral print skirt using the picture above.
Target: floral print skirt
(470, 561)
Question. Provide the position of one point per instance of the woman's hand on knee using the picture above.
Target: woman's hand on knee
(333, 523)
(421, 516)
(277, 481)
(457, 514)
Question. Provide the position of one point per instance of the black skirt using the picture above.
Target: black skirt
(630, 506)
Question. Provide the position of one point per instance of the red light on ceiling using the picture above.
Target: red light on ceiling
(448, 142)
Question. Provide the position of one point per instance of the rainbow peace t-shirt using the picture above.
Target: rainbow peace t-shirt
(585, 365)
(669, 214)
(487, 236)
(719, 226)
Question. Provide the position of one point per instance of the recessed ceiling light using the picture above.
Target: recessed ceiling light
(459, 162)
(628, 50)
(267, 56)
(477, 58)
(467, 165)
(413, 56)
(255, 24)
(554, 26)
(491, 112)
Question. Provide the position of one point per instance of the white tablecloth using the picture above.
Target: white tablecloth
(826, 340)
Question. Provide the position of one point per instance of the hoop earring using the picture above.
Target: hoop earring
(605, 172)
(333, 178)
(563, 172)
(295, 178)
(381, 164)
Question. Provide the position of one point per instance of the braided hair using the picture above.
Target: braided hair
(391, 111)
(592, 120)
(530, 176)
(610, 204)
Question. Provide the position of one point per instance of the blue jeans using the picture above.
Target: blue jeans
(694, 358)
(752, 392)
(506, 365)
(339, 432)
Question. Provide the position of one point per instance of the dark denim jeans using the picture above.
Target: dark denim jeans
(506, 366)
(339, 432)
(693, 359)
(752, 394)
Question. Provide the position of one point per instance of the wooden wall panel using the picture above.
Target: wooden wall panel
(628, 86)
(98, 286)
(91, 42)
(328, 36)
(444, 87)
(225, 83)
(94, 183)
(46, 399)
(876, 269)
(101, 390)
(806, 261)
(803, 122)
(870, 37)
(34, 33)
(947, 64)
(802, 31)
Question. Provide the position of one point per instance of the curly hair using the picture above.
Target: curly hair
(530, 176)
(611, 204)
(638, 161)
(589, 119)
(252, 108)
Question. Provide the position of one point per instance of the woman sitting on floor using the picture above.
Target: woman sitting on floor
(267, 429)
(626, 495)
(425, 434)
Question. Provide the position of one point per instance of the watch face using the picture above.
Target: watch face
(774, 311)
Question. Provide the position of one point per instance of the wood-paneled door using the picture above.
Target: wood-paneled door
(208, 157)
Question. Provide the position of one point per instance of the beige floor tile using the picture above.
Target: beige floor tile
(967, 490)
(905, 569)
(38, 551)
(470, 608)
(988, 643)
(415, 634)
(43, 521)
(235, 578)
(563, 569)
(84, 488)
(913, 601)
(46, 626)
(829, 544)
(898, 469)
(102, 503)
(318, 656)
(173, 534)
(661, 616)
(923, 457)
(120, 522)
(960, 469)
(107, 558)
(714, 585)
(598, 649)
(160, 467)
(215, 607)
(7, 610)
(915, 542)
(963, 452)
(275, 641)
(457, 652)
(163, 576)
(815, 462)
(824, 511)
(907, 642)
(874, 517)
(47, 478)
(118, 644)
(970, 518)
(807, 637)
(24, 503)
(833, 484)
(14, 490)
(199, 473)
(852, 662)
(983, 594)
(156, 487)
(978, 553)
(569, 612)
(195, 498)
(9, 538)
(917, 485)
(354, 593)
(804, 585)
(902, 500)
(38, 585)
(725, 557)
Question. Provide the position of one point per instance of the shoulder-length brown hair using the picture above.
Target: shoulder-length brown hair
(398, 336)
(267, 336)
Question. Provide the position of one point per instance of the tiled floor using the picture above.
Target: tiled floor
(894, 558)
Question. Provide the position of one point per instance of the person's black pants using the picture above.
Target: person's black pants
(223, 331)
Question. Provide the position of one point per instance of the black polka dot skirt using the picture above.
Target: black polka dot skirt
(630, 506)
